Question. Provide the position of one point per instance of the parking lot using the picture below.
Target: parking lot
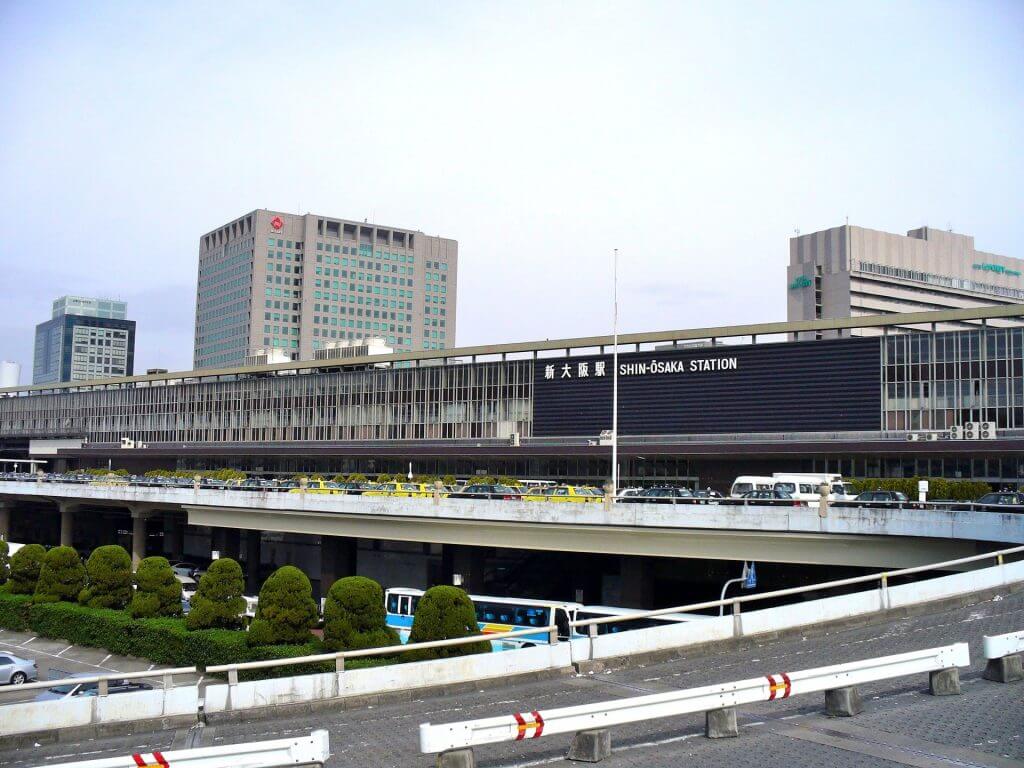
(56, 659)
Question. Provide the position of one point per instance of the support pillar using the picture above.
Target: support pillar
(5, 521)
(174, 537)
(637, 581)
(230, 543)
(467, 562)
(139, 518)
(67, 524)
(253, 555)
(338, 559)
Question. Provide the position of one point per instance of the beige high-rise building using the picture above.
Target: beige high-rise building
(297, 283)
(851, 271)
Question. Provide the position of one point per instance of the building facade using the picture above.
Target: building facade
(86, 339)
(851, 271)
(686, 413)
(296, 283)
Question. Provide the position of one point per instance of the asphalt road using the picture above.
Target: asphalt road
(901, 725)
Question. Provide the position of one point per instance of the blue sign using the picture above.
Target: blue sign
(750, 577)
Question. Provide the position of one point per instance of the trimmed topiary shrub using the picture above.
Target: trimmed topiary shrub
(25, 566)
(109, 575)
(218, 601)
(444, 613)
(5, 562)
(61, 577)
(158, 592)
(286, 611)
(354, 616)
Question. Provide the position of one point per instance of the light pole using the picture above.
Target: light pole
(615, 375)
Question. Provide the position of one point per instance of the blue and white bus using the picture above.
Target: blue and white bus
(493, 615)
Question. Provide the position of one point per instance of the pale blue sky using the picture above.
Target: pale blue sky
(695, 137)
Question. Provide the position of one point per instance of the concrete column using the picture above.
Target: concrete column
(139, 517)
(637, 581)
(338, 559)
(253, 554)
(67, 524)
(466, 561)
(232, 543)
(174, 537)
(5, 521)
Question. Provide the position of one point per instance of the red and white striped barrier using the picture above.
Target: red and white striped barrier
(313, 749)
(534, 724)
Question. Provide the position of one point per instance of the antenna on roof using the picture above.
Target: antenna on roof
(797, 231)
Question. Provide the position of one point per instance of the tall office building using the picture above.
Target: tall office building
(854, 272)
(297, 283)
(84, 339)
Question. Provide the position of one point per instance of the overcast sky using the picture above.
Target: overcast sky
(693, 137)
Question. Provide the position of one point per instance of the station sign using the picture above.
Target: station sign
(801, 282)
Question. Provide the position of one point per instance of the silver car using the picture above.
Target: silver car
(15, 671)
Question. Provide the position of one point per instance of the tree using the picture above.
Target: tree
(384, 477)
(218, 602)
(61, 577)
(357, 477)
(5, 562)
(354, 616)
(286, 611)
(444, 613)
(109, 573)
(157, 592)
(449, 480)
(506, 480)
(25, 565)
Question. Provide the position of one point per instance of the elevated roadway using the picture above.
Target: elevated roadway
(900, 726)
(868, 537)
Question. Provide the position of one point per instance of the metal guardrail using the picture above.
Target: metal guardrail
(587, 717)
(997, 646)
(313, 749)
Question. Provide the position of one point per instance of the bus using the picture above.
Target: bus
(493, 615)
(614, 627)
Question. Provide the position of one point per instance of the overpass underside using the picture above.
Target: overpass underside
(764, 546)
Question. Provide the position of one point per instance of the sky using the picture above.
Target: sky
(694, 137)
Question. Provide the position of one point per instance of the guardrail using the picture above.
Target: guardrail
(588, 721)
(1003, 655)
(305, 750)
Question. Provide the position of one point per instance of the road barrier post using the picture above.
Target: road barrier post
(721, 723)
(1003, 653)
(944, 682)
(591, 746)
(843, 702)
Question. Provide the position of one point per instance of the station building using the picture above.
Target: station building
(695, 406)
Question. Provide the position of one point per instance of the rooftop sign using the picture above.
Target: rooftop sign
(801, 282)
(999, 269)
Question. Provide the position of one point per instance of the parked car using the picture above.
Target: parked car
(70, 690)
(404, 490)
(706, 494)
(183, 568)
(488, 491)
(768, 494)
(317, 486)
(1002, 498)
(572, 494)
(15, 670)
(882, 496)
(661, 494)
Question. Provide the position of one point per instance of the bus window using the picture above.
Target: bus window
(405, 605)
(392, 603)
(787, 487)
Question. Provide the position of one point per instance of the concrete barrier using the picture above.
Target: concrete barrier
(1003, 657)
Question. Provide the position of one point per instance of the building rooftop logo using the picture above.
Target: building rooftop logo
(801, 282)
(999, 269)
(277, 222)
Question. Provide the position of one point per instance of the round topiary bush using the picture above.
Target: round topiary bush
(354, 616)
(157, 591)
(61, 577)
(218, 602)
(444, 613)
(25, 566)
(5, 562)
(286, 611)
(109, 574)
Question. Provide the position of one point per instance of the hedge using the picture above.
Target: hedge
(5, 562)
(14, 610)
(445, 613)
(938, 487)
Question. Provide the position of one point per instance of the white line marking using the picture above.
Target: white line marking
(66, 650)
(104, 661)
(27, 641)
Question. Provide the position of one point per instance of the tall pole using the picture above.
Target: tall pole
(615, 375)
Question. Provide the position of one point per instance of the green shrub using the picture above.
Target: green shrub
(14, 610)
(25, 566)
(158, 592)
(486, 480)
(357, 477)
(286, 610)
(61, 578)
(506, 480)
(449, 480)
(218, 602)
(444, 613)
(5, 562)
(938, 487)
(109, 574)
(354, 616)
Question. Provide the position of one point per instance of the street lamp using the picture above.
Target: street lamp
(615, 375)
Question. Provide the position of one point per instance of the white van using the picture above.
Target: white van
(746, 483)
(805, 486)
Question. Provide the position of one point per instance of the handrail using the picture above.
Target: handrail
(882, 577)
(46, 684)
(388, 650)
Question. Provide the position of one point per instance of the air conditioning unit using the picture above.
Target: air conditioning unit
(606, 437)
(956, 433)
(127, 442)
(933, 436)
(513, 440)
(971, 430)
(987, 430)
(913, 436)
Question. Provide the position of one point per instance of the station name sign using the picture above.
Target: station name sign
(600, 369)
(999, 269)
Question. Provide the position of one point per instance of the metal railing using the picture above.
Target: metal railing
(735, 602)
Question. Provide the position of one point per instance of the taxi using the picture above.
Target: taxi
(407, 490)
(317, 486)
(571, 494)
